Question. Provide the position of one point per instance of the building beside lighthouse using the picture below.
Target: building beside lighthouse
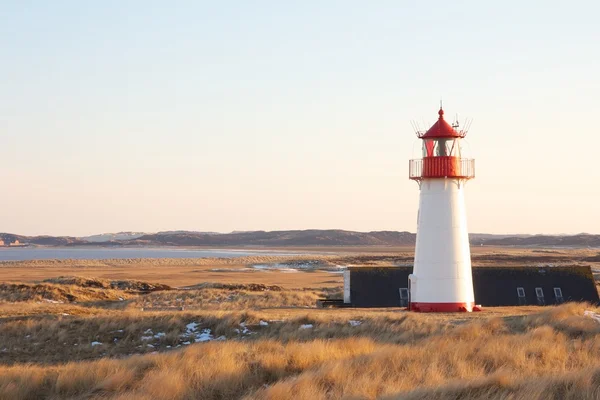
(442, 279)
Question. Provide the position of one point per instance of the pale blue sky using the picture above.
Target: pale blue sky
(156, 115)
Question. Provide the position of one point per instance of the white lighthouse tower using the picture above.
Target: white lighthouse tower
(441, 280)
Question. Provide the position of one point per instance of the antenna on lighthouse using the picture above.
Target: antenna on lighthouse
(467, 126)
(417, 128)
(455, 124)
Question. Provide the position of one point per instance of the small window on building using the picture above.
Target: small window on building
(539, 293)
(521, 296)
(403, 297)
(558, 294)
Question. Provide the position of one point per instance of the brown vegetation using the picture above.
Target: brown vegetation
(261, 338)
(126, 284)
(387, 353)
(55, 293)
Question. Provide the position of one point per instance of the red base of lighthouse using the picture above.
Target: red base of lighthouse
(444, 307)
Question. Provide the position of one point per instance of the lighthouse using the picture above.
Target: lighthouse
(442, 280)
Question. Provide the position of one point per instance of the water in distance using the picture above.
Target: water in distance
(50, 253)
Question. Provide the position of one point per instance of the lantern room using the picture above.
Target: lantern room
(441, 147)
(442, 153)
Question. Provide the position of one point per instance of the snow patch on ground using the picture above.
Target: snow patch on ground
(192, 334)
(204, 336)
(245, 330)
(191, 327)
(263, 323)
(95, 344)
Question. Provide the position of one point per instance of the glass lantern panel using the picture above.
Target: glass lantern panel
(428, 147)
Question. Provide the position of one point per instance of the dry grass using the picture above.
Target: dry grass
(44, 333)
(14, 292)
(583, 385)
(223, 299)
(467, 356)
(276, 344)
(212, 370)
(76, 289)
(124, 284)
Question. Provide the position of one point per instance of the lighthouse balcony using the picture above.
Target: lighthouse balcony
(441, 167)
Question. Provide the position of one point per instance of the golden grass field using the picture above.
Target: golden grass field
(222, 330)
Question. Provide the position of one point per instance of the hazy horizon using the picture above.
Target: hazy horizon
(146, 116)
(305, 229)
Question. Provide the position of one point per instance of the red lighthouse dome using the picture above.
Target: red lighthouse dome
(441, 129)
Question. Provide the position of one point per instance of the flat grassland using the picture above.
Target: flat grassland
(227, 329)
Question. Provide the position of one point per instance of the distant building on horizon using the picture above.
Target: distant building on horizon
(7, 243)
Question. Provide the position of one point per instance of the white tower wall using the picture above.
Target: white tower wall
(442, 278)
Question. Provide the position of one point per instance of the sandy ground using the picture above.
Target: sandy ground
(188, 272)
(176, 276)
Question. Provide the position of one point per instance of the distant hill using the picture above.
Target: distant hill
(279, 238)
(42, 240)
(311, 237)
(580, 240)
(109, 237)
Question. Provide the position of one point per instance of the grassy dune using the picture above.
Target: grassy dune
(119, 337)
(549, 353)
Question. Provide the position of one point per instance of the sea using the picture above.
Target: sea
(102, 253)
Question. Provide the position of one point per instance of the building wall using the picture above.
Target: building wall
(347, 296)
(498, 286)
(377, 286)
(493, 286)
